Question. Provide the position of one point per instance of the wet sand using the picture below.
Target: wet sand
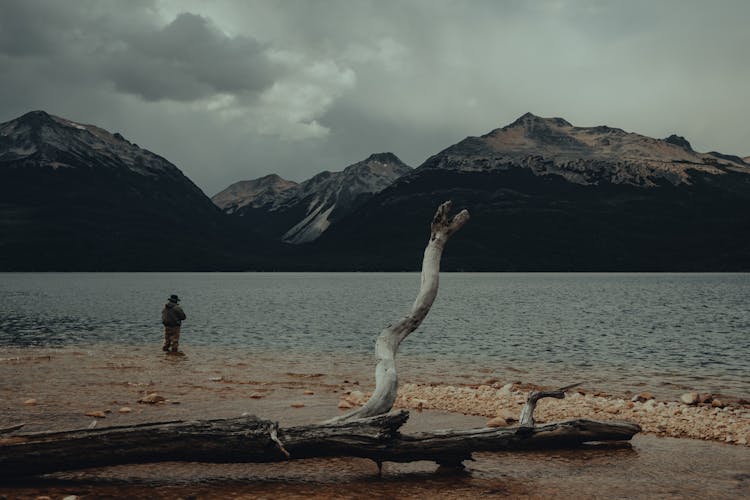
(64, 384)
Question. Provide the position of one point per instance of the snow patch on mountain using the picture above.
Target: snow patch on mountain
(312, 226)
(323, 198)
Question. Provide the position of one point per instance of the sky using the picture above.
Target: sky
(234, 90)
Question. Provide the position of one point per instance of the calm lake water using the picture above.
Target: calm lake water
(674, 331)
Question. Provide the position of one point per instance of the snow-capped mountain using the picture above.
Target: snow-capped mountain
(300, 213)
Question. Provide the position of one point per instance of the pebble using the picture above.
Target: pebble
(97, 414)
(297, 405)
(690, 398)
(345, 405)
(505, 390)
(356, 397)
(308, 392)
(497, 422)
(642, 397)
(256, 395)
(151, 399)
(509, 415)
(71, 497)
(30, 402)
(706, 398)
(124, 409)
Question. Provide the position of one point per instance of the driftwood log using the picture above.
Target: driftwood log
(250, 439)
(371, 431)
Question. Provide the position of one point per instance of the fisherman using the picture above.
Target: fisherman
(172, 316)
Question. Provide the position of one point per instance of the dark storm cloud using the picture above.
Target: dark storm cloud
(188, 59)
(232, 90)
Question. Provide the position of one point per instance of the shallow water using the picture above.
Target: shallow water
(652, 468)
(617, 332)
(216, 382)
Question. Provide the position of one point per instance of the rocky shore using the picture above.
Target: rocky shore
(695, 416)
(501, 404)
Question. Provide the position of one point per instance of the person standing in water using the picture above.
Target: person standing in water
(171, 317)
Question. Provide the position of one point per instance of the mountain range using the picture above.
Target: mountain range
(300, 213)
(544, 196)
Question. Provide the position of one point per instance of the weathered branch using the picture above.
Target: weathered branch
(386, 377)
(249, 439)
(527, 412)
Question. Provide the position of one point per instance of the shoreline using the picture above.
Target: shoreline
(72, 388)
(217, 382)
(502, 405)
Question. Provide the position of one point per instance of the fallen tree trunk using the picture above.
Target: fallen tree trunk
(250, 439)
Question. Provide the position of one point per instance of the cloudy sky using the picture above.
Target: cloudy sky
(232, 90)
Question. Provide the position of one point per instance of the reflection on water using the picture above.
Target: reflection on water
(653, 468)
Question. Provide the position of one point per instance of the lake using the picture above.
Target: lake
(616, 332)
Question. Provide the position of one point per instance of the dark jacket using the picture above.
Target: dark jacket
(172, 314)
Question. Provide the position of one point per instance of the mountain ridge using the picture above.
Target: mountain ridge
(542, 198)
(584, 155)
(307, 209)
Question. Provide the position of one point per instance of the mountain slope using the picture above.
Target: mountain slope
(583, 155)
(547, 196)
(300, 213)
(75, 196)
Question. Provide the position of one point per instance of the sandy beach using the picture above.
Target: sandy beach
(55, 389)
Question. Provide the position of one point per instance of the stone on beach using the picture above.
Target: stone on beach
(151, 399)
(706, 398)
(256, 395)
(356, 397)
(642, 397)
(30, 402)
(124, 409)
(419, 404)
(690, 398)
(97, 414)
(497, 422)
(509, 415)
(345, 405)
(308, 392)
(297, 405)
(505, 390)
